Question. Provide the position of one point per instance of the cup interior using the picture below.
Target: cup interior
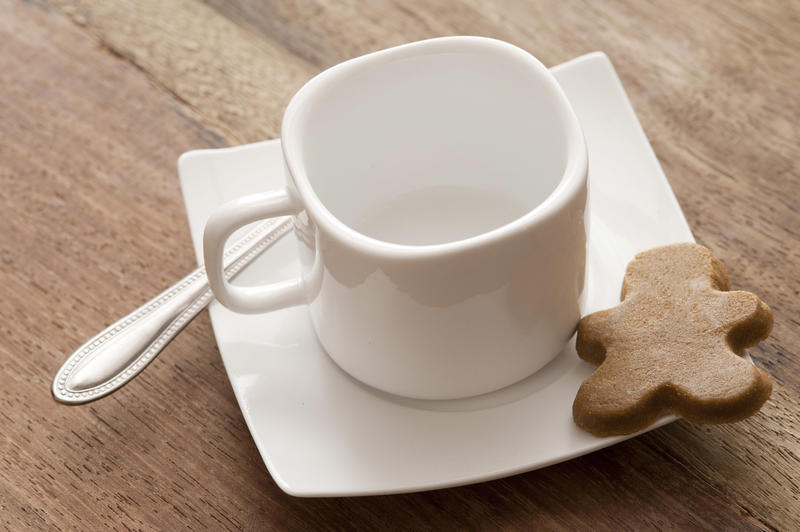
(422, 145)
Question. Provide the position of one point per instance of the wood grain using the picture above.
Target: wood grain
(236, 81)
(96, 106)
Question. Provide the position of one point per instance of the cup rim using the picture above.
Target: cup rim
(572, 181)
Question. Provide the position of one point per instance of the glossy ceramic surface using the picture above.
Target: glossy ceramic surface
(440, 220)
(322, 433)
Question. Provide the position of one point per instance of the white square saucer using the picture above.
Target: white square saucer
(321, 433)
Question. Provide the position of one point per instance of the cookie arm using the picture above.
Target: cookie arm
(748, 318)
(593, 333)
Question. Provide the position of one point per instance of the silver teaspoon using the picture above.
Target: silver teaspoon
(119, 353)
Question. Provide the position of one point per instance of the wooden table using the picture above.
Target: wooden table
(97, 100)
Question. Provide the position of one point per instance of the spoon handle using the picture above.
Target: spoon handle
(120, 352)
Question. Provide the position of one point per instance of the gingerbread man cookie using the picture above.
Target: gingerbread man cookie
(673, 345)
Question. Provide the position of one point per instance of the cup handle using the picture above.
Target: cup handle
(224, 221)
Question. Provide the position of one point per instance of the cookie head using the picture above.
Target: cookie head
(673, 266)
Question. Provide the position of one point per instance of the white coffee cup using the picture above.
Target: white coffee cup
(438, 190)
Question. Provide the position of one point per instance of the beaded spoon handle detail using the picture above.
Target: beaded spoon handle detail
(120, 352)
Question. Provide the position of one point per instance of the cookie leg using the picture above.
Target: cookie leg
(724, 390)
(610, 402)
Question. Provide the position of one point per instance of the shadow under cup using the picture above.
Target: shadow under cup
(443, 238)
(435, 147)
